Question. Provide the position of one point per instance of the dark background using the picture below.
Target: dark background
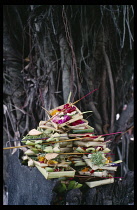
(50, 50)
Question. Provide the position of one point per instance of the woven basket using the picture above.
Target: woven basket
(74, 118)
(53, 175)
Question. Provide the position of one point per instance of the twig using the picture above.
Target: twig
(111, 86)
(126, 131)
(46, 111)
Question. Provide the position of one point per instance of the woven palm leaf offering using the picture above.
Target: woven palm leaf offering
(66, 147)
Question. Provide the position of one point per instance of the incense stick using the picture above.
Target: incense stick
(74, 153)
(84, 96)
(78, 153)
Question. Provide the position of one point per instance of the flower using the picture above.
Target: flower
(66, 106)
(70, 109)
(56, 119)
(85, 169)
(60, 120)
(92, 171)
(52, 162)
(77, 122)
(54, 112)
(41, 159)
(64, 119)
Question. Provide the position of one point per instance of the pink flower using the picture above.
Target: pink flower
(56, 119)
(60, 120)
(64, 119)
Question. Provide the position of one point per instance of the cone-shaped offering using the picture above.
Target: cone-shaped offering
(66, 146)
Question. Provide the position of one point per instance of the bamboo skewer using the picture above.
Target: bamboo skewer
(15, 147)
(64, 140)
(52, 142)
(73, 135)
(61, 141)
(45, 143)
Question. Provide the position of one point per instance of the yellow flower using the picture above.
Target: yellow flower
(54, 112)
(52, 162)
(107, 161)
(41, 158)
(85, 170)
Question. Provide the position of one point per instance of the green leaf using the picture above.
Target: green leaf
(71, 185)
(49, 169)
(83, 130)
(38, 146)
(48, 149)
(30, 143)
(79, 149)
(61, 188)
(97, 158)
(35, 150)
(77, 185)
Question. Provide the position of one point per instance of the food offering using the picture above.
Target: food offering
(66, 147)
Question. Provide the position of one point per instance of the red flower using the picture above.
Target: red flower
(77, 122)
(66, 106)
(92, 171)
(69, 110)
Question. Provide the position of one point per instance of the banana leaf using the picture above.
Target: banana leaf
(89, 144)
(53, 175)
(100, 182)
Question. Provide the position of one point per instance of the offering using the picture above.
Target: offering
(65, 146)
